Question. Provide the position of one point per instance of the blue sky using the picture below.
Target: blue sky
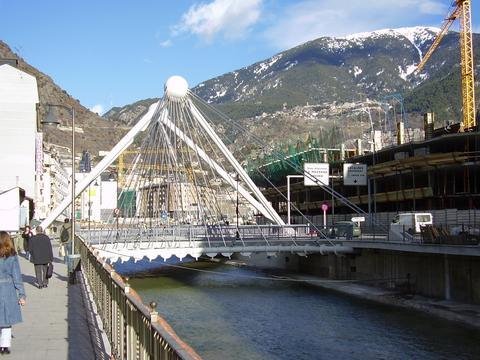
(109, 53)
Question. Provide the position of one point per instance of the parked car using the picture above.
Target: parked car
(346, 229)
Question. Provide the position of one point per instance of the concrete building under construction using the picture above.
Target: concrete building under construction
(440, 172)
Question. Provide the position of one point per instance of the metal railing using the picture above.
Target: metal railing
(192, 233)
(298, 234)
(135, 331)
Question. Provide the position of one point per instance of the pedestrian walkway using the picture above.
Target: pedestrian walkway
(58, 321)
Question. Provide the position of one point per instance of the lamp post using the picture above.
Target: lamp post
(366, 110)
(289, 202)
(116, 211)
(51, 119)
(237, 234)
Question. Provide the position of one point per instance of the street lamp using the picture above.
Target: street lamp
(51, 119)
(366, 110)
(237, 234)
(289, 202)
(116, 211)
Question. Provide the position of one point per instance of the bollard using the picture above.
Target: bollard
(153, 312)
(127, 285)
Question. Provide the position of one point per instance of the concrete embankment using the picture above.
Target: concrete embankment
(467, 314)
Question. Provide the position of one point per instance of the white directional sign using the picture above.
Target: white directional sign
(316, 174)
(354, 174)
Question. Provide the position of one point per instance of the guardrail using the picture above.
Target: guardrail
(214, 236)
(192, 233)
(135, 330)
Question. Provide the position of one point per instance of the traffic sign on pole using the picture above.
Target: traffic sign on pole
(324, 207)
(316, 174)
(354, 174)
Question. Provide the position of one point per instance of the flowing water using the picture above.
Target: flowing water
(226, 312)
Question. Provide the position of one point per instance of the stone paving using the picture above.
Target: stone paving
(58, 321)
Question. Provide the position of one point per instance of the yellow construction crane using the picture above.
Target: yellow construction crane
(461, 11)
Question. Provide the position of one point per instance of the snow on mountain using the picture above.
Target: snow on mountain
(360, 55)
(265, 65)
(417, 35)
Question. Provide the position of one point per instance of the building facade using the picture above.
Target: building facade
(18, 121)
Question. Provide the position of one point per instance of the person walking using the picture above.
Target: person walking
(41, 254)
(65, 239)
(17, 242)
(26, 235)
(12, 291)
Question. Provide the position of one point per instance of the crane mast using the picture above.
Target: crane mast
(462, 11)
(466, 51)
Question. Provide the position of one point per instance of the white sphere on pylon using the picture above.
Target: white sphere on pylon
(176, 88)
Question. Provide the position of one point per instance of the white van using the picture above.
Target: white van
(412, 222)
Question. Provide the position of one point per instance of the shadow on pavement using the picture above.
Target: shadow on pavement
(83, 344)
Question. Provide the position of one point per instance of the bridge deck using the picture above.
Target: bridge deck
(185, 242)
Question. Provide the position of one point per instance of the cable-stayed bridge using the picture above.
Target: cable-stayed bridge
(186, 191)
(210, 241)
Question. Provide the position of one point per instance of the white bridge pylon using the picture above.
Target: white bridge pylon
(169, 115)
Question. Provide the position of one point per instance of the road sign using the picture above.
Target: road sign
(324, 207)
(354, 174)
(116, 211)
(358, 219)
(316, 174)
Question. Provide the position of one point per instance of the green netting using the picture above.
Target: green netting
(285, 158)
(127, 203)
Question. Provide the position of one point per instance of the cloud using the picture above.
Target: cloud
(166, 43)
(232, 19)
(98, 109)
(432, 8)
(310, 19)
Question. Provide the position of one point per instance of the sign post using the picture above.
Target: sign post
(356, 175)
(324, 209)
(289, 202)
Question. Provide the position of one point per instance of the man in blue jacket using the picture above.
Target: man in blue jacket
(41, 254)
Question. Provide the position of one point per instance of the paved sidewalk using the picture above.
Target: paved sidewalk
(58, 322)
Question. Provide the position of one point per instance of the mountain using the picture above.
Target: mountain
(93, 133)
(332, 71)
(326, 70)
(301, 91)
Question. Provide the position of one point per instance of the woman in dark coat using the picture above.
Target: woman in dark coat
(12, 292)
(41, 254)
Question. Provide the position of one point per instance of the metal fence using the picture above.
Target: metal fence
(449, 217)
(135, 331)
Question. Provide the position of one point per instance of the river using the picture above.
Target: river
(227, 312)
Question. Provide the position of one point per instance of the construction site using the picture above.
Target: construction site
(438, 175)
(439, 172)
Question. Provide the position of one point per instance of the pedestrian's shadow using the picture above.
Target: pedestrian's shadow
(61, 277)
(32, 280)
(58, 261)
